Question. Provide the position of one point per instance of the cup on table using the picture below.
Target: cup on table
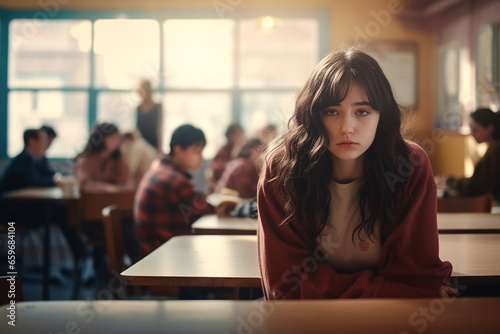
(69, 185)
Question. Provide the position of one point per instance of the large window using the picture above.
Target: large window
(70, 73)
(488, 67)
(48, 78)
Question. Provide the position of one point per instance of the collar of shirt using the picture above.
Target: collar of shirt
(166, 160)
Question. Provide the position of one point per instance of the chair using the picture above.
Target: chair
(91, 220)
(112, 219)
(464, 204)
(92, 202)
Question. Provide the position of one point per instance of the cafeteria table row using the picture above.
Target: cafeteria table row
(430, 316)
(447, 223)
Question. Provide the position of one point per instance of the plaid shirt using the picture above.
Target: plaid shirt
(166, 204)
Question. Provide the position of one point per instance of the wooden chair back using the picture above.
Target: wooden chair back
(112, 216)
(464, 204)
(92, 202)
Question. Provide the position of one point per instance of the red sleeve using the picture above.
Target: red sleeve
(123, 172)
(409, 264)
(85, 170)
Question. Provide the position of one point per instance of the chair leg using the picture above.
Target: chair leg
(79, 266)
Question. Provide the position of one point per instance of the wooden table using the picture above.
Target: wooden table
(211, 224)
(200, 260)
(468, 223)
(231, 261)
(46, 195)
(475, 257)
(376, 316)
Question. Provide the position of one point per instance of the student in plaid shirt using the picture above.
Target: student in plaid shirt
(166, 203)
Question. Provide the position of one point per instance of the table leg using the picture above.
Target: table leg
(46, 252)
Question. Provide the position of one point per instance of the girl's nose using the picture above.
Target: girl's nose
(347, 126)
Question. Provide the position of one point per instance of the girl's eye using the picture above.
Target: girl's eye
(363, 112)
(331, 112)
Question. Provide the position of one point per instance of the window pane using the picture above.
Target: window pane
(126, 51)
(198, 53)
(276, 52)
(484, 67)
(210, 112)
(262, 109)
(118, 108)
(66, 112)
(49, 53)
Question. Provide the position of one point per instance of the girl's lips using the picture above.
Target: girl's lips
(347, 144)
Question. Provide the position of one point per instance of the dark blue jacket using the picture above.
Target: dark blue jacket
(26, 171)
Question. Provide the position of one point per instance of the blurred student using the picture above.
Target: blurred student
(138, 154)
(234, 135)
(340, 216)
(485, 128)
(242, 173)
(27, 170)
(51, 134)
(267, 134)
(166, 202)
(149, 116)
(100, 166)
(44, 164)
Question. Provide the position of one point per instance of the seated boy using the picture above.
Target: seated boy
(166, 203)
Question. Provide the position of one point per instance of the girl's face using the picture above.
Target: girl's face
(236, 136)
(112, 142)
(351, 125)
(480, 133)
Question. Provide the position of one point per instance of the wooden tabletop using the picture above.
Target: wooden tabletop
(231, 261)
(475, 257)
(42, 194)
(468, 223)
(376, 316)
(199, 260)
(211, 224)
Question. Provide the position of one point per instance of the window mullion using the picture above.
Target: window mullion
(92, 92)
(236, 93)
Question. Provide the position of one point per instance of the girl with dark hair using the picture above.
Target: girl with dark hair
(242, 173)
(234, 137)
(347, 207)
(485, 128)
(100, 165)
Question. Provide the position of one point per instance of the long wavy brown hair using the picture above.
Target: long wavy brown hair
(303, 164)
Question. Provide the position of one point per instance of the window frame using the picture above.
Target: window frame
(235, 93)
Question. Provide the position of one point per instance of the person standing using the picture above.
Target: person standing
(149, 116)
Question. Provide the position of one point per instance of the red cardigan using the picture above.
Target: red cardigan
(409, 264)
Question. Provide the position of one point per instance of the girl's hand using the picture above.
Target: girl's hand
(447, 291)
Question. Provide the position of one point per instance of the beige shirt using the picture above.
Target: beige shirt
(139, 155)
(345, 253)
